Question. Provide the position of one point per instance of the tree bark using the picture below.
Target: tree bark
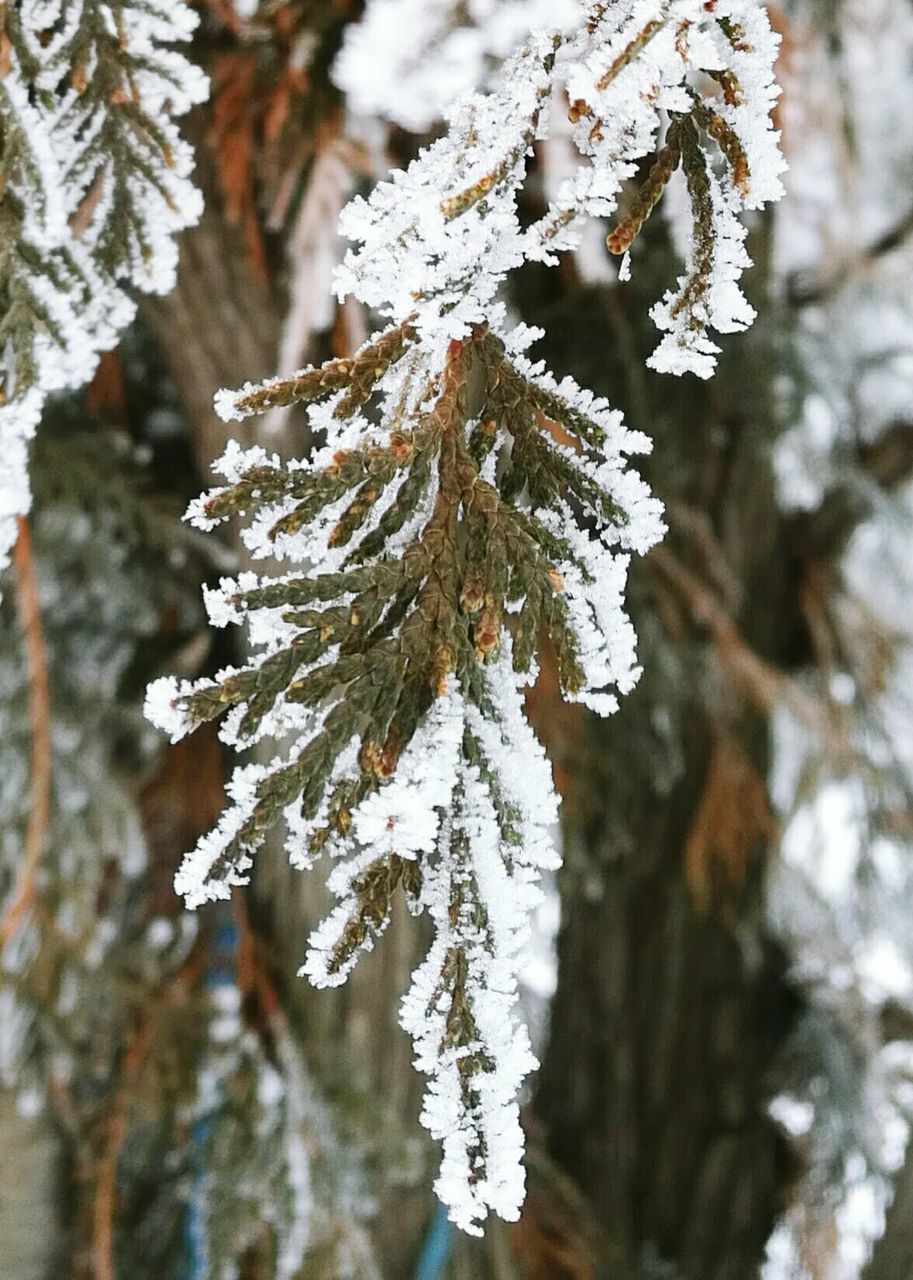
(220, 325)
(658, 1070)
(673, 1000)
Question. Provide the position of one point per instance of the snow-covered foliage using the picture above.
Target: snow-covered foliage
(95, 184)
(463, 505)
(630, 64)
(88, 921)
(407, 61)
(840, 896)
(243, 1146)
(269, 1180)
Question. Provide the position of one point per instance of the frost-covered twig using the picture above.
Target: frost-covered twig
(463, 507)
(453, 46)
(95, 183)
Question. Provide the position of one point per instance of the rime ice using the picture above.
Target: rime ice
(464, 503)
(96, 184)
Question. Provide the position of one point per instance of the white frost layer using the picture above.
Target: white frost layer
(70, 285)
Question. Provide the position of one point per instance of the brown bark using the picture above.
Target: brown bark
(657, 1076)
(673, 1001)
(220, 325)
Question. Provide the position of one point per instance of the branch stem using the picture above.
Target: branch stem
(28, 609)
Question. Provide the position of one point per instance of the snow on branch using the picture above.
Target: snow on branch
(450, 50)
(464, 507)
(95, 183)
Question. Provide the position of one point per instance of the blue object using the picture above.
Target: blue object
(436, 1249)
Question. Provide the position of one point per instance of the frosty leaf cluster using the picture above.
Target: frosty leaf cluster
(95, 183)
(268, 1178)
(700, 74)
(461, 509)
(451, 49)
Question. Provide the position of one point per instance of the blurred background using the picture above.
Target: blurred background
(722, 986)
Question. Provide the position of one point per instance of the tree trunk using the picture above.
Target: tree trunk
(220, 325)
(672, 999)
(657, 1075)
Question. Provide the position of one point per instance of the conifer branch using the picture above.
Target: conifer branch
(94, 184)
(463, 508)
